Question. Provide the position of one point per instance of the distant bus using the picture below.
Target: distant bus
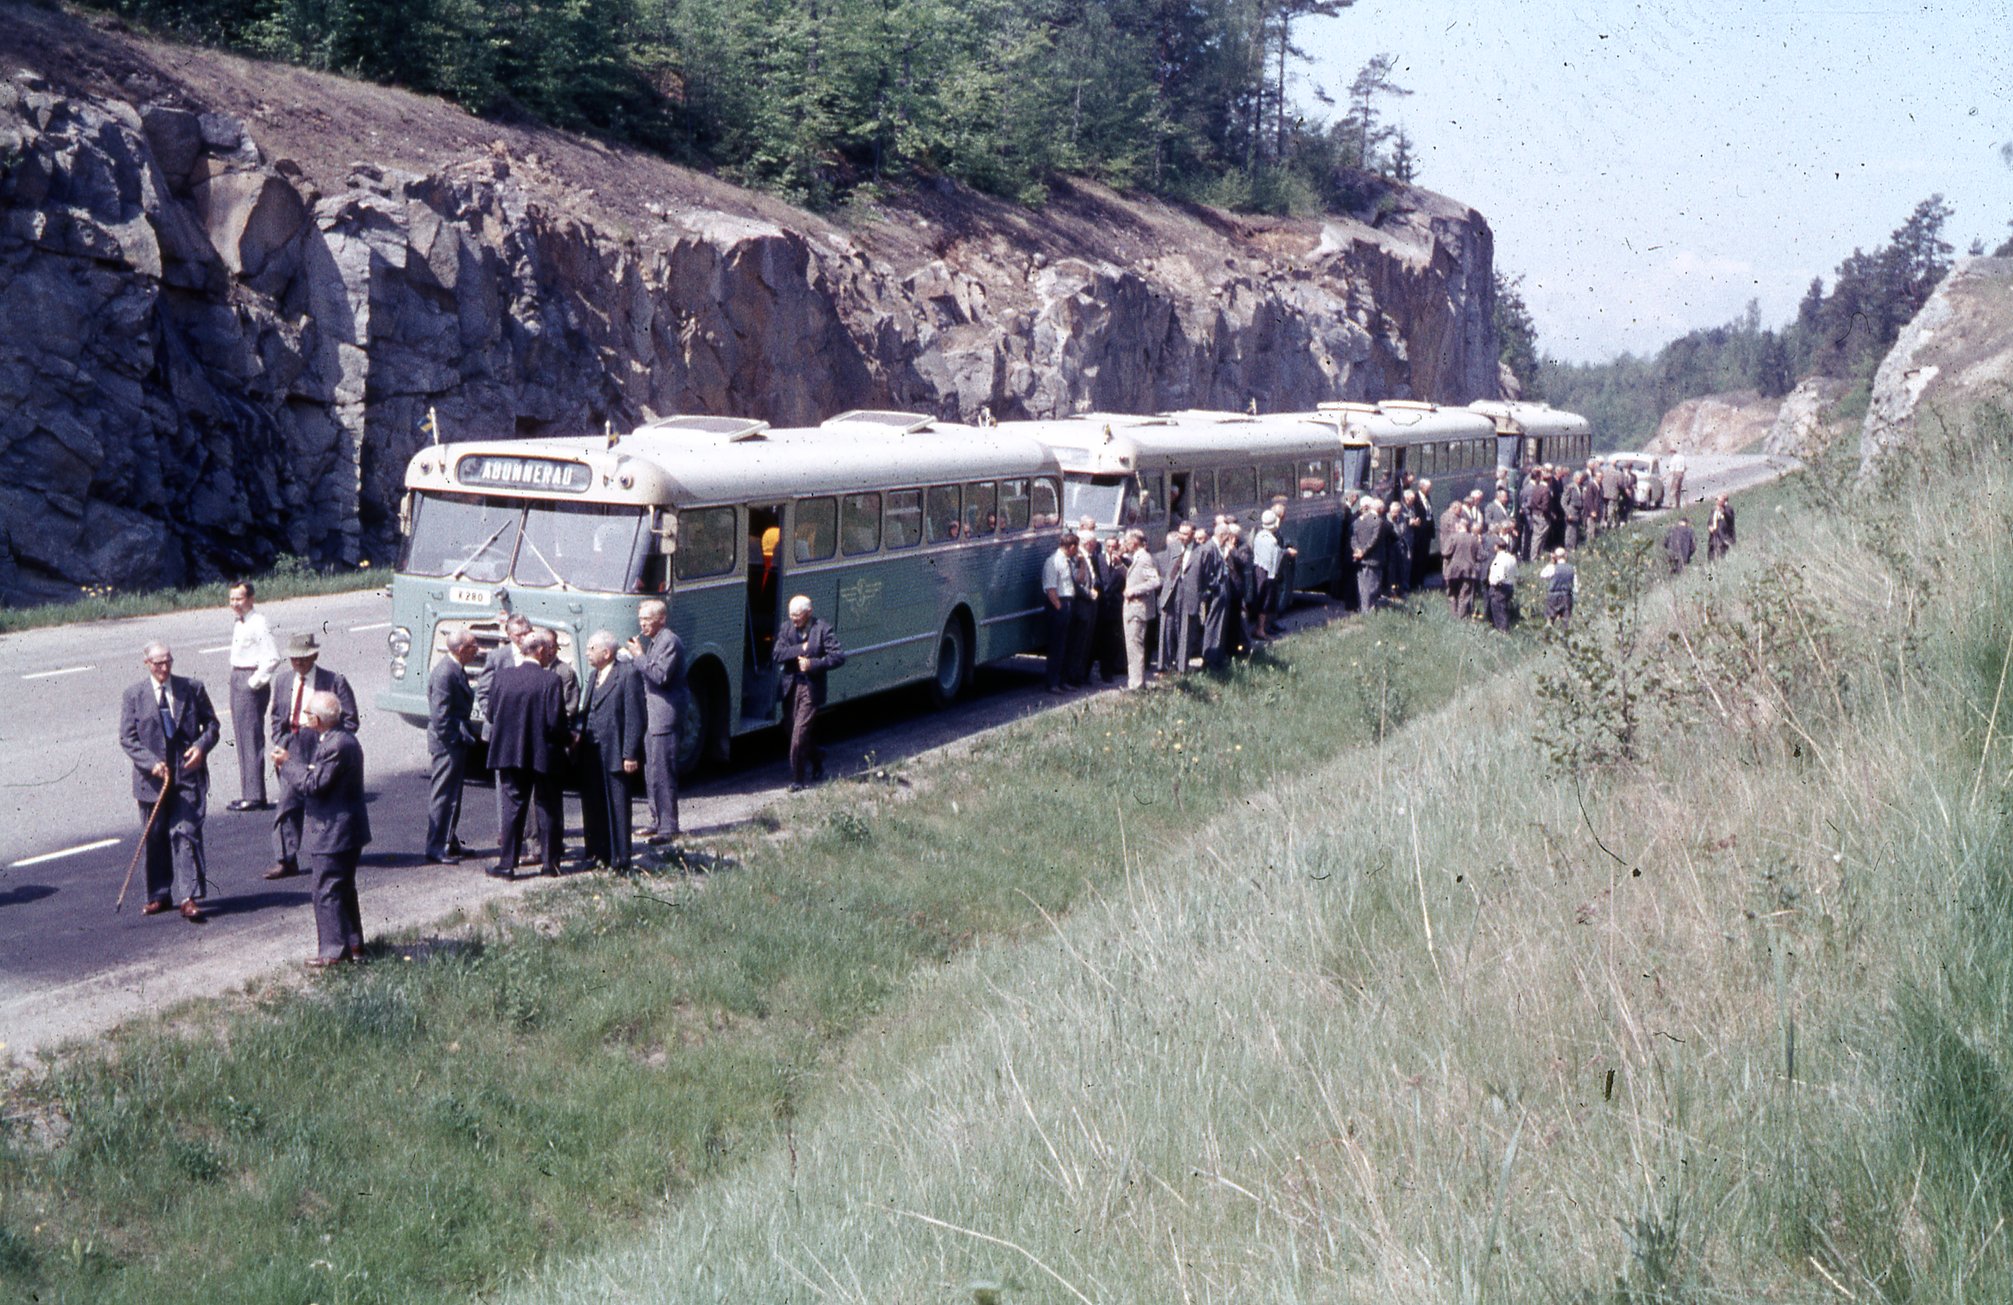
(1535, 433)
(920, 541)
(1458, 449)
(1154, 472)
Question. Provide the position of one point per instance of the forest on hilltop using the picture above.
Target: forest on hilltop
(817, 99)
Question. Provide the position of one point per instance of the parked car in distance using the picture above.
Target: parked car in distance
(1648, 472)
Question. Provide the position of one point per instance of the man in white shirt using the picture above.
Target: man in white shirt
(1502, 581)
(254, 658)
(1058, 589)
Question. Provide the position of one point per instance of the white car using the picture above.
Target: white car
(1648, 471)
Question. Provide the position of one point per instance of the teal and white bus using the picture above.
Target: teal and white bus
(1455, 448)
(1154, 472)
(920, 541)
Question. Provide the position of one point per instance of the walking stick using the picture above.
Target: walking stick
(141, 850)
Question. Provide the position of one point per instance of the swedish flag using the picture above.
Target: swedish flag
(430, 426)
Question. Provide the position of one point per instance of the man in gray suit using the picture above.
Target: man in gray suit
(450, 738)
(610, 726)
(335, 829)
(660, 657)
(293, 689)
(167, 728)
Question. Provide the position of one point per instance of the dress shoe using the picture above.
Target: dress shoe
(325, 962)
(355, 956)
(442, 858)
(794, 787)
(154, 906)
(244, 804)
(455, 848)
(191, 912)
(282, 871)
(500, 872)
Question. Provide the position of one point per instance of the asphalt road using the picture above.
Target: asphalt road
(68, 823)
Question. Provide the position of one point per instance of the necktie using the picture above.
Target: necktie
(167, 712)
(300, 688)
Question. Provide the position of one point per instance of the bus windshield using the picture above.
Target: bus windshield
(540, 545)
(1096, 497)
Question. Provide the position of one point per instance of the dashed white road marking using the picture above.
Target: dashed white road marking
(79, 850)
(222, 647)
(67, 670)
(360, 629)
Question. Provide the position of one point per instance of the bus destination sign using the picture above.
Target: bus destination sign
(490, 471)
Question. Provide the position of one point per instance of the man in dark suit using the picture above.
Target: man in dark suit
(659, 655)
(1719, 533)
(291, 733)
(1367, 540)
(336, 825)
(611, 727)
(1174, 579)
(1679, 545)
(167, 727)
(805, 650)
(450, 738)
(528, 735)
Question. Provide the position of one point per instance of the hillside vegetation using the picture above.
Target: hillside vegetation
(815, 98)
(1675, 967)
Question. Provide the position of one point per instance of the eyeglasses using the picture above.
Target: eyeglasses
(160, 661)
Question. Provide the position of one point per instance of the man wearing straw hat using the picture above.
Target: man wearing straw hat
(293, 732)
(167, 727)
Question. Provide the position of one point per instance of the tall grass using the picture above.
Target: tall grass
(1453, 1016)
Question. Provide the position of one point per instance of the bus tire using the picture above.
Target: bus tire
(952, 674)
(702, 723)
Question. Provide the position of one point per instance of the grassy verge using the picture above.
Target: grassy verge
(440, 1125)
(291, 579)
(1508, 1003)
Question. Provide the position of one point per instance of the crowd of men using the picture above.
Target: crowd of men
(1115, 606)
(525, 713)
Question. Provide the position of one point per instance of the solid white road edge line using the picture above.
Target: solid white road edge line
(67, 670)
(68, 851)
(361, 629)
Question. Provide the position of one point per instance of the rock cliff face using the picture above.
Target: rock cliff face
(1716, 423)
(1957, 352)
(220, 334)
(1800, 430)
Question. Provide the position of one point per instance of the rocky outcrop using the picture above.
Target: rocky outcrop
(211, 353)
(1800, 430)
(1716, 423)
(1955, 354)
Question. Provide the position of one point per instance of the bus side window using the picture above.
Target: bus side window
(981, 508)
(1314, 478)
(860, 523)
(1237, 488)
(1013, 505)
(706, 538)
(1202, 493)
(1275, 481)
(940, 513)
(1045, 502)
(905, 518)
(816, 529)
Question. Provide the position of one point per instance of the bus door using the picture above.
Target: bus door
(1179, 505)
(765, 599)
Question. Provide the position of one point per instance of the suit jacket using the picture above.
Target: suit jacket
(334, 819)
(663, 669)
(321, 680)
(1679, 542)
(148, 743)
(612, 715)
(1205, 571)
(450, 708)
(1367, 539)
(816, 641)
(1178, 587)
(527, 720)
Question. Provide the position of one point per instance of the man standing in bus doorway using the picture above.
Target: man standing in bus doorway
(805, 652)
(1058, 589)
(660, 657)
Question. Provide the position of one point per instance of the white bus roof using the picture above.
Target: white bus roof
(1518, 418)
(1118, 444)
(1406, 421)
(687, 461)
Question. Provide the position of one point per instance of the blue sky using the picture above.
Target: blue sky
(1649, 169)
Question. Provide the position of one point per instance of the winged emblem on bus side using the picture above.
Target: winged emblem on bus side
(860, 594)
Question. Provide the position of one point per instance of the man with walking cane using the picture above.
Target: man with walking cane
(167, 728)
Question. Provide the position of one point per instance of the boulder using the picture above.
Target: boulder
(1955, 354)
(1716, 423)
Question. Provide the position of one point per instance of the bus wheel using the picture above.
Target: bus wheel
(954, 662)
(701, 724)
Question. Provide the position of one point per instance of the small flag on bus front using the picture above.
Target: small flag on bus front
(431, 426)
(608, 427)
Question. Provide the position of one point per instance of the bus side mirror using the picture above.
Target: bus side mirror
(666, 531)
(405, 513)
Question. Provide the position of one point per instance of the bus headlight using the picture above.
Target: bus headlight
(399, 641)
